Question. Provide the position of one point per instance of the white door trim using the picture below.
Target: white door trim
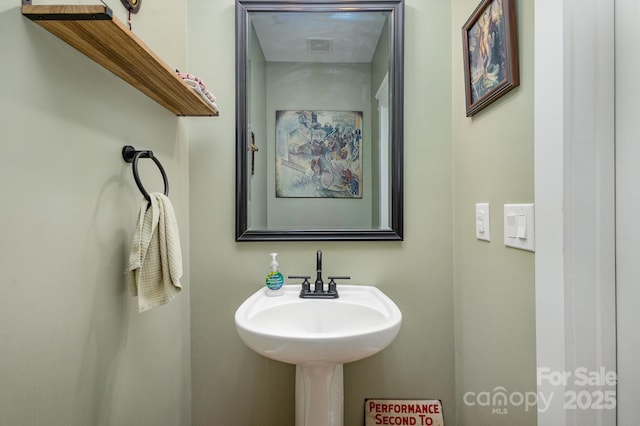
(575, 211)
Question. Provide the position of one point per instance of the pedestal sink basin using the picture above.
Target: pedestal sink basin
(319, 336)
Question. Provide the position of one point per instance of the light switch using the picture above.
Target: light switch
(483, 222)
(510, 229)
(522, 226)
(519, 226)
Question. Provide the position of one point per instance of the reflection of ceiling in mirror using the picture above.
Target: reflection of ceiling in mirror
(318, 36)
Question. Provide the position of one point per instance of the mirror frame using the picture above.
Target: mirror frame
(396, 79)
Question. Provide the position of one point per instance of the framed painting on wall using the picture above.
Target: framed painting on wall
(318, 154)
(490, 48)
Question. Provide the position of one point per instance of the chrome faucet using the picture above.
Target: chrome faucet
(318, 291)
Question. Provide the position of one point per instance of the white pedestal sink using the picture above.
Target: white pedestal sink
(319, 336)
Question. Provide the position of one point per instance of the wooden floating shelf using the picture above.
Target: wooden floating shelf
(95, 32)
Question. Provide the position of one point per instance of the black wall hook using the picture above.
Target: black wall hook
(131, 155)
(132, 6)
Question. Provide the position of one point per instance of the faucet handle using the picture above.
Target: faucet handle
(332, 283)
(306, 286)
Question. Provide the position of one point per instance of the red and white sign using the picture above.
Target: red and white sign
(427, 412)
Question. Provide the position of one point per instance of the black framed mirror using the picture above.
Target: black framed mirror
(319, 120)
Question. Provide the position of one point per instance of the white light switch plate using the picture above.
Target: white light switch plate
(519, 229)
(483, 222)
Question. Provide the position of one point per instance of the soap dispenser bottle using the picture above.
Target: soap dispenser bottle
(275, 279)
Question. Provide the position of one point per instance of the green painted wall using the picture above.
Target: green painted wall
(75, 351)
(293, 86)
(494, 285)
(231, 384)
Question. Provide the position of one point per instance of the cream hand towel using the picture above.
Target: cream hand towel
(155, 261)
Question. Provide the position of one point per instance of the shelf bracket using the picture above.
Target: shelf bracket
(107, 15)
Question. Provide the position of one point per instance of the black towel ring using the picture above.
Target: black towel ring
(130, 155)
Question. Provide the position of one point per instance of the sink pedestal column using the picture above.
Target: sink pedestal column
(319, 395)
